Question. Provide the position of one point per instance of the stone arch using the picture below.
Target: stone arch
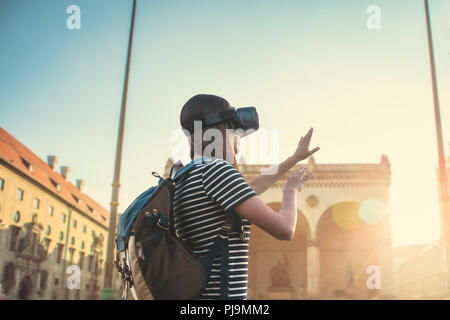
(277, 269)
(25, 287)
(348, 245)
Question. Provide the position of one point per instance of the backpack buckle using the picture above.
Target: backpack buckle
(158, 223)
(242, 234)
(224, 232)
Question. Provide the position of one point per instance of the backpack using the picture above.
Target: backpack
(153, 262)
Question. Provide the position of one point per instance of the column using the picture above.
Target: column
(313, 268)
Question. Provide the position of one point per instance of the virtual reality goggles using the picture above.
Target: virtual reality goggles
(243, 120)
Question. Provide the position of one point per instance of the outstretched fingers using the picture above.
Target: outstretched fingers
(314, 151)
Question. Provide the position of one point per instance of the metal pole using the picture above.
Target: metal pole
(107, 293)
(66, 244)
(443, 178)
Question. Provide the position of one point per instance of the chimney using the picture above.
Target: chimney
(65, 172)
(80, 184)
(52, 161)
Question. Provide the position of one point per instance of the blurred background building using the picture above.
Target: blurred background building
(46, 225)
(421, 274)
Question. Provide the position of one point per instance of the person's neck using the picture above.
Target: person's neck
(196, 156)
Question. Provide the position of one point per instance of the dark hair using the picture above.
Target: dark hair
(196, 108)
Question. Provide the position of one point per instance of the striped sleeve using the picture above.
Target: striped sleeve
(224, 184)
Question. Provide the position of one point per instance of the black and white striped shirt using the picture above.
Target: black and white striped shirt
(201, 199)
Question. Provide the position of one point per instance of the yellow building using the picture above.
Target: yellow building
(52, 235)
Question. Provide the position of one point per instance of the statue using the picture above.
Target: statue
(97, 241)
(279, 274)
(349, 277)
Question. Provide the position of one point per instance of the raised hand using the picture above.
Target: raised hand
(297, 179)
(303, 151)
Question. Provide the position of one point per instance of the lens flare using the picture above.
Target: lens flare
(372, 211)
(346, 215)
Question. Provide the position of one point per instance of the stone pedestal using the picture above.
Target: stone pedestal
(280, 293)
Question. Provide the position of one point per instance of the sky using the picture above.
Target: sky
(301, 63)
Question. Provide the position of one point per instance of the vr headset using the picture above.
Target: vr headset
(243, 120)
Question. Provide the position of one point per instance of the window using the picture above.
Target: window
(34, 242)
(56, 281)
(60, 248)
(74, 223)
(48, 230)
(2, 184)
(82, 245)
(16, 217)
(44, 276)
(14, 236)
(36, 203)
(77, 200)
(20, 194)
(61, 236)
(91, 260)
(55, 184)
(34, 218)
(63, 217)
(84, 229)
(47, 244)
(27, 164)
(50, 211)
(80, 263)
(96, 265)
(45, 247)
(71, 253)
(72, 241)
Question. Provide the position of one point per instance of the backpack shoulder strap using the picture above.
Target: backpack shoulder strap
(177, 172)
(221, 244)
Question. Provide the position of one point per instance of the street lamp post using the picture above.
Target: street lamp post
(443, 178)
(107, 286)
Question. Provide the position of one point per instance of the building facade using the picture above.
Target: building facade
(424, 275)
(342, 248)
(52, 234)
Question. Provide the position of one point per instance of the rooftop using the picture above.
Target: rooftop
(14, 153)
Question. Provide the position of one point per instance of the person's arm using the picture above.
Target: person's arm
(263, 182)
(280, 225)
